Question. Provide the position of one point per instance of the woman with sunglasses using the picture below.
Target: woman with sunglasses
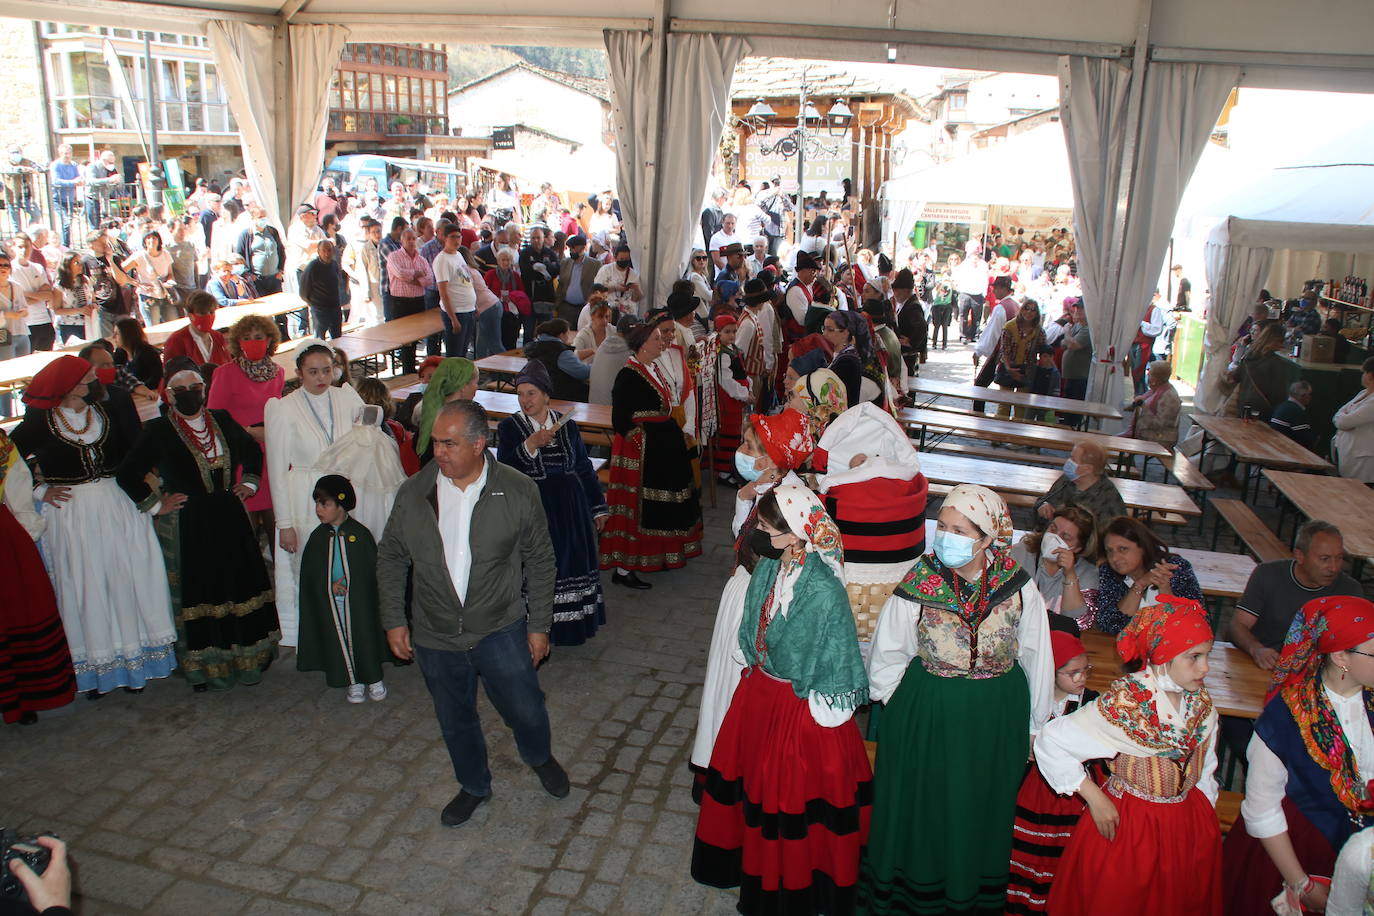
(226, 620)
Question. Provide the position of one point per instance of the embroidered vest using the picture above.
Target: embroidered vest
(1156, 779)
(949, 647)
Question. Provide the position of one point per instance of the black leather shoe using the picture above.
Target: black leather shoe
(457, 812)
(553, 778)
(28, 718)
(630, 581)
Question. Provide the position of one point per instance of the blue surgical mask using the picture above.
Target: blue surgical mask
(1070, 469)
(420, 388)
(240, 269)
(744, 466)
(954, 550)
(261, 224)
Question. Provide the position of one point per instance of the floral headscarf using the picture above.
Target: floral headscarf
(807, 519)
(985, 509)
(447, 380)
(823, 399)
(784, 438)
(1323, 626)
(1160, 632)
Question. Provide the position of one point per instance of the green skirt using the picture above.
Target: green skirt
(951, 756)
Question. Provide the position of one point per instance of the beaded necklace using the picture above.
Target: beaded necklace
(203, 441)
(66, 424)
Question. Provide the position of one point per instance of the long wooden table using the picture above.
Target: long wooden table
(1236, 683)
(366, 343)
(1256, 445)
(1142, 495)
(269, 306)
(1346, 503)
(501, 404)
(1059, 438)
(938, 388)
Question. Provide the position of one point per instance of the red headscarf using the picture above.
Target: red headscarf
(55, 380)
(784, 438)
(1066, 647)
(724, 321)
(1162, 631)
(1323, 626)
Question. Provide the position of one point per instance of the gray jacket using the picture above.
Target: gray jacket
(510, 544)
(610, 358)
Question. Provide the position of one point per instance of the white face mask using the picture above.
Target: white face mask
(1166, 683)
(1050, 543)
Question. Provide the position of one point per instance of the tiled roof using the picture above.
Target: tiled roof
(590, 85)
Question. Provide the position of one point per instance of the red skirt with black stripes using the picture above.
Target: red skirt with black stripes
(785, 804)
(35, 664)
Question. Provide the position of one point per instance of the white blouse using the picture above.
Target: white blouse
(1350, 880)
(1266, 781)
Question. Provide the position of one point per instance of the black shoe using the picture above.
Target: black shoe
(553, 778)
(457, 812)
(28, 718)
(134, 690)
(630, 581)
(200, 688)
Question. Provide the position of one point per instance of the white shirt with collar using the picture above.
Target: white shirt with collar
(455, 527)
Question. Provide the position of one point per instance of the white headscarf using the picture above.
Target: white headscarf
(808, 520)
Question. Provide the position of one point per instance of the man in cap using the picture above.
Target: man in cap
(732, 264)
(911, 321)
(576, 277)
(801, 315)
(758, 339)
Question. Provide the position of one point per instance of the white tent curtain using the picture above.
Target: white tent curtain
(700, 70)
(629, 58)
(244, 58)
(1092, 110)
(315, 52)
(1235, 275)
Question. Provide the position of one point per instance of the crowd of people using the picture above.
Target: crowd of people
(194, 509)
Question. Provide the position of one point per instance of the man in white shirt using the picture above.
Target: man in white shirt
(756, 258)
(971, 282)
(801, 291)
(726, 236)
(457, 298)
(990, 341)
(621, 280)
(1151, 326)
(32, 281)
(469, 532)
(302, 245)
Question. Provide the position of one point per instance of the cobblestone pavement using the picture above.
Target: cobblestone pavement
(285, 799)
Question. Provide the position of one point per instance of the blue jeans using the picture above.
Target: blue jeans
(458, 340)
(502, 661)
(489, 332)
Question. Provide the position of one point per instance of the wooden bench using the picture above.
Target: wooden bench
(400, 381)
(1228, 809)
(1188, 474)
(1250, 530)
(999, 454)
(1013, 500)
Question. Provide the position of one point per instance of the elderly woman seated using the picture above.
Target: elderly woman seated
(1155, 413)
(1137, 568)
(1083, 484)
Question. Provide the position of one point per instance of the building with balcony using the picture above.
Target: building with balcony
(388, 99)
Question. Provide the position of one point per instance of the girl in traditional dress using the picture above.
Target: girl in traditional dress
(35, 665)
(341, 625)
(655, 518)
(555, 458)
(222, 602)
(772, 449)
(874, 490)
(299, 427)
(723, 404)
(1149, 841)
(786, 806)
(106, 567)
(1045, 820)
(961, 657)
(243, 386)
(1310, 761)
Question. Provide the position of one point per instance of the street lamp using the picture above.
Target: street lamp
(840, 118)
(761, 118)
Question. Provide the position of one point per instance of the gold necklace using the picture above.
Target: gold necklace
(66, 424)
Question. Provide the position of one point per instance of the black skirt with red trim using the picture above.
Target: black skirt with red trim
(785, 805)
(35, 664)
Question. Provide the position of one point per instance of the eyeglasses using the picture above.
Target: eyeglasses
(698, 257)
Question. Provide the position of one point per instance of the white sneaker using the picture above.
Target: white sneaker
(355, 693)
(376, 691)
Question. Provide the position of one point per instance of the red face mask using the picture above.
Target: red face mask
(253, 350)
(203, 323)
(105, 375)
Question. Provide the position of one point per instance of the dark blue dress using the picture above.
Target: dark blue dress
(572, 498)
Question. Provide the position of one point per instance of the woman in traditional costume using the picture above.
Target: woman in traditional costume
(724, 403)
(820, 396)
(787, 798)
(961, 657)
(341, 626)
(874, 490)
(35, 664)
(655, 518)
(1149, 841)
(856, 362)
(106, 566)
(226, 621)
(1310, 761)
(552, 454)
(454, 380)
(772, 449)
(1044, 819)
(300, 427)
(243, 386)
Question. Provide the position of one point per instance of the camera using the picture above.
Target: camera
(14, 845)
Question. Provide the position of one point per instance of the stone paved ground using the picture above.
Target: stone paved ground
(285, 799)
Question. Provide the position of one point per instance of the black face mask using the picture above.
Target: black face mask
(622, 264)
(762, 545)
(189, 402)
(95, 391)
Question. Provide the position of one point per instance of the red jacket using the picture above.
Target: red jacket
(181, 344)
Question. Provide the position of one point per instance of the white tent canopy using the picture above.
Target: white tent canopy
(1324, 201)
